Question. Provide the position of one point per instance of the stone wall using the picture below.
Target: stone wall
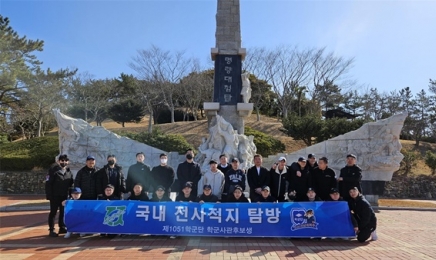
(411, 187)
(22, 182)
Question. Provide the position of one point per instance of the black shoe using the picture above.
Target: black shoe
(62, 230)
(53, 234)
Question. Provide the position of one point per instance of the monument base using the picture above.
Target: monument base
(372, 190)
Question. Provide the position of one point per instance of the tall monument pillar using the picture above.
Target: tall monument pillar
(228, 56)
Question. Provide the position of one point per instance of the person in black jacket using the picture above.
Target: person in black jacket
(299, 179)
(138, 173)
(58, 182)
(323, 179)
(311, 162)
(364, 215)
(163, 174)
(160, 195)
(279, 179)
(112, 174)
(139, 193)
(350, 177)
(237, 196)
(187, 194)
(310, 196)
(109, 194)
(207, 195)
(257, 177)
(189, 171)
(233, 177)
(86, 179)
(265, 195)
(334, 195)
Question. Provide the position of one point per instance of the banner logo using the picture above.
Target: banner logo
(302, 218)
(114, 216)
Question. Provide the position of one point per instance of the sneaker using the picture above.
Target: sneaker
(374, 236)
(62, 230)
(82, 234)
(67, 235)
(53, 234)
(173, 237)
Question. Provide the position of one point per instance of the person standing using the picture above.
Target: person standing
(58, 182)
(224, 165)
(215, 178)
(350, 176)
(299, 179)
(257, 177)
(138, 173)
(279, 175)
(311, 162)
(323, 179)
(364, 215)
(86, 179)
(233, 177)
(189, 171)
(111, 173)
(163, 174)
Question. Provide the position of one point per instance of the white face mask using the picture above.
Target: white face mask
(163, 161)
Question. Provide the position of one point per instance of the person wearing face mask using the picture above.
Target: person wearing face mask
(189, 171)
(163, 174)
(58, 182)
(112, 174)
(86, 179)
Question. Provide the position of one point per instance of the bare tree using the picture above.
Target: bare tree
(164, 69)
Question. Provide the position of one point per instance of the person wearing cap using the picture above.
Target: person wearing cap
(233, 177)
(334, 195)
(279, 175)
(207, 195)
(265, 195)
(257, 177)
(163, 174)
(350, 176)
(215, 178)
(323, 179)
(364, 215)
(86, 179)
(187, 194)
(160, 195)
(224, 164)
(310, 196)
(58, 182)
(299, 179)
(111, 173)
(189, 171)
(138, 173)
(75, 195)
(139, 193)
(311, 162)
(109, 193)
(237, 196)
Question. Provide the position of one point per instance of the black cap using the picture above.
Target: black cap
(351, 155)
(334, 190)
(110, 186)
(187, 185)
(266, 188)
(90, 157)
(212, 162)
(301, 159)
(310, 189)
(235, 160)
(311, 155)
(160, 187)
(207, 186)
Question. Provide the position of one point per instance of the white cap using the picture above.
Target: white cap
(282, 158)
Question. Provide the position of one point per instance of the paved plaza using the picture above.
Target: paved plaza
(403, 234)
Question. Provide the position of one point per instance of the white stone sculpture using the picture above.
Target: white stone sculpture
(223, 139)
(246, 87)
(376, 145)
(78, 139)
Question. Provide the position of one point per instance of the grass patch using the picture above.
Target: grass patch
(405, 203)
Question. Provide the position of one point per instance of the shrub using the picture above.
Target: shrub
(29, 154)
(430, 160)
(409, 160)
(157, 139)
(266, 144)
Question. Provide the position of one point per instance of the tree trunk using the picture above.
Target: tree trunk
(257, 114)
(122, 124)
(172, 114)
(150, 122)
(39, 127)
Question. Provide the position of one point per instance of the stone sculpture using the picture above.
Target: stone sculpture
(246, 87)
(78, 139)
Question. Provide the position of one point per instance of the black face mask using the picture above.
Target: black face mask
(189, 156)
(111, 162)
(62, 164)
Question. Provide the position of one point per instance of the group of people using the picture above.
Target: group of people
(305, 180)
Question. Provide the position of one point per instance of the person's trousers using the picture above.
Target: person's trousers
(365, 233)
(55, 204)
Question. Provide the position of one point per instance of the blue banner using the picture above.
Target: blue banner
(291, 219)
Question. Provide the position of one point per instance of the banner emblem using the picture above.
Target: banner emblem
(114, 216)
(302, 218)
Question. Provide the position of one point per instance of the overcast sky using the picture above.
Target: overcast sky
(393, 42)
